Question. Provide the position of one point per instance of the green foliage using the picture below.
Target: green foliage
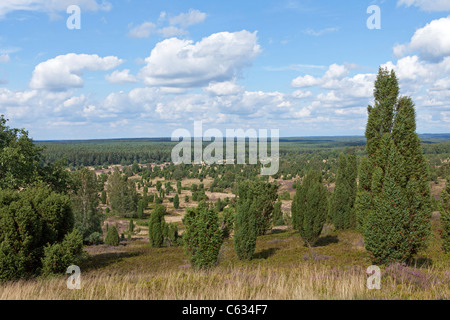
(309, 207)
(278, 219)
(122, 195)
(140, 209)
(131, 226)
(227, 222)
(262, 196)
(203, 237)
(393, 205)
(103, 197)
(157, 226)
(88, 219)
(171, 235)
(112, 237)
(285, 196)
(445, 217)
(245, 227)
(59, 256)
(29, 220)
(176, 202)
(343, 199)
(20, 162)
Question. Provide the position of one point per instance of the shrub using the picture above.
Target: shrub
(445, 217)
(29, 220)
(245, 233)
(310, 208)
(112, 237)
(59, 256)
(202, 237)
(157, 226)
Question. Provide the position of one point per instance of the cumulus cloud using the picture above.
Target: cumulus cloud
(431, 42)
(183, 63)
(50, 6)
(177, 25)
(143, 30)
(427, 5)
(123, 76)
(65, 71)
(224, 88)
(189, 18)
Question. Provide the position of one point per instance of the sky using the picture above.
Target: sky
(137, 68)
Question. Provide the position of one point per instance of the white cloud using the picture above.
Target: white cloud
(65, 71)
(4, 58)
(50, 6)
(431, 42)
(183, 63)
(187, 19)
(427, 5)
(305, 81)
(123, 76)
(176, 27)
(143, 31)
(318, 33)
(302, 94)
(224, 88)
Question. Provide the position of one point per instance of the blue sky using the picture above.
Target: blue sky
(145, 68)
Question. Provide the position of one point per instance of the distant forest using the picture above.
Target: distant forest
(79, 153)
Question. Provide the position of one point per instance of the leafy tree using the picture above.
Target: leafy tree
(227, 222)
(88, 219)
(176, 202)
(122, 195)
(394, 182)
(131, 226)
(202, 237)
(278, 214)
(245, 227)
(157, 226)
(20, 162)
(445, 217)
(140, 209)
(179, 187)
(103, 197)
(59, 256)
(309, 207)
(343, 199)
(112, 237)
(29, 220)
(263, 195)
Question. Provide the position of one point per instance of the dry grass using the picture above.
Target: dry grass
(281, 270)
(304, 283)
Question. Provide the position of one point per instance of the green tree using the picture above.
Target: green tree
(59, 256)
(176, 202)
(30, 220)
(112, 237)
(157, 226)
(445, 217)
(343, 199)
(88, 218)
(203, 236)
(278, 214)
(393, 200)
(103, 197)
(122, 195)
(245, 226)
(263, 195)
(309, 207)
